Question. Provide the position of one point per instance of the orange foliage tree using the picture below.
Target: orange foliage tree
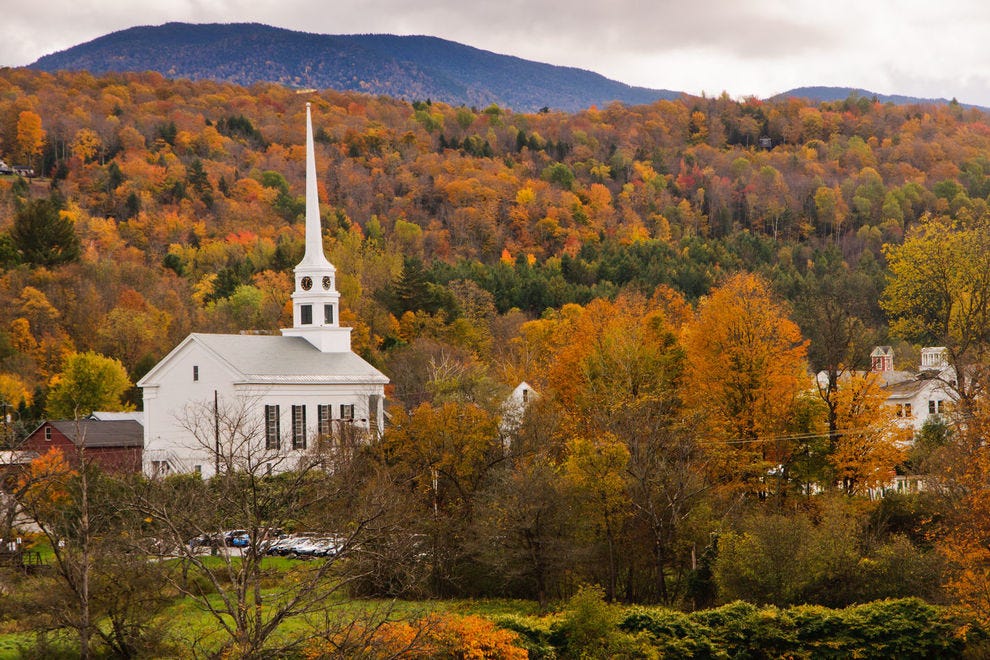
(41, 490)
(746, 378)
(869, 444)
(966, 477)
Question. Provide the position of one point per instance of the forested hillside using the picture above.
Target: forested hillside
(830, 94)
(664, 282)
(409, 67)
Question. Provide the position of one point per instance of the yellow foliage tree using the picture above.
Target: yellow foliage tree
(13, 390)
(595, 475)
(30, 135)
(86, 145)
(938, 294)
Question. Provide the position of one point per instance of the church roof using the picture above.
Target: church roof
(280, 360)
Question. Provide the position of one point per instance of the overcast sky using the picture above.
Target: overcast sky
(743, 47)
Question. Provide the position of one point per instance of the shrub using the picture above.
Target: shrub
(675, 634)
(907, 628)
(589, 629)
(531, 636)
(435, 636)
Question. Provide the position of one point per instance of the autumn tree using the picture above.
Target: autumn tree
(614, 369)
(938, 294)
(96, 587)
(834, 306)
(30, 136)
(595, 475)
(444, 453)
(868, 444)
(746, 377)
(41, 488)
(523, 531)
(89, 381)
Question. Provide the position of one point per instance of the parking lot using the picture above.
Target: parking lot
(236, 542)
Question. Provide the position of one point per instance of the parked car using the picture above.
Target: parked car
(235, 538)
(306, 545)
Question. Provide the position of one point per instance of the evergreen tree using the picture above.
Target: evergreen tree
(42, 236)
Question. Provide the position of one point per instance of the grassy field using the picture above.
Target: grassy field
(903, 628)
(191, 626)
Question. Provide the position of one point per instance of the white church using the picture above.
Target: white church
(233, 402)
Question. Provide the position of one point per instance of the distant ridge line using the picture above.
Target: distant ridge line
(404, 67)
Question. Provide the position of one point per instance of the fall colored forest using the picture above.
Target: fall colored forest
(667, 277)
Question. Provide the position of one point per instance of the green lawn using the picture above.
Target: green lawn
(188, 621)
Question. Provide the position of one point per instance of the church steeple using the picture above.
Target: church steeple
(316, 302)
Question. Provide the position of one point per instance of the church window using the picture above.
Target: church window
(298, 427)
(195, 373)
(347, 411)
(324, 417)
(328, 314)
(271, 427)
(306, 314)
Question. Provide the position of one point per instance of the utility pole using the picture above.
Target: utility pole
(216, 433)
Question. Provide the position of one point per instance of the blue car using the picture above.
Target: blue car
(237, 539)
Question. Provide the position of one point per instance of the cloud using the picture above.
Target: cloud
(753, 47)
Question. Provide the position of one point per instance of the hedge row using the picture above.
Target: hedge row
(906, 628)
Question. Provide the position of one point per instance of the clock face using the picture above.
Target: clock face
(306, 283)
(327, 282)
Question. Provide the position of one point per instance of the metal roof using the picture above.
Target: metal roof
(278, 359)
(116, 433)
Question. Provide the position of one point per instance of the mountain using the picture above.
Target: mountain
(819, 94)
(412, 68)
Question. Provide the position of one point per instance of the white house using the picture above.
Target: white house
(514, 407)
(917, 397)
(913, 396)
(250, 400)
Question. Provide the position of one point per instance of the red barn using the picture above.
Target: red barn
(115, 446)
